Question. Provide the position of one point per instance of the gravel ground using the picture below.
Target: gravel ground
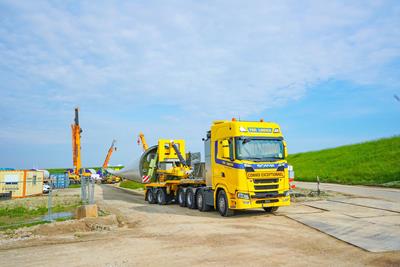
(153, 235)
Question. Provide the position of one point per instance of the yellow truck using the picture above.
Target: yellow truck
(245, 168)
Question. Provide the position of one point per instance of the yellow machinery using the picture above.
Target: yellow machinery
(245, 168)
(143, 141)
(74, 176)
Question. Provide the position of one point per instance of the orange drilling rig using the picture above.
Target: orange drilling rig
(74, 175)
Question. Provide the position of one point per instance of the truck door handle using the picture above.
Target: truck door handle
(222, 174)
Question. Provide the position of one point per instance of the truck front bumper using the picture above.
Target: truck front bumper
(255, 203)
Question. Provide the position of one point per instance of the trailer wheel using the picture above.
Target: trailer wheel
(270, 209)
(182, 197)
(201, 201)
(161, 197)
(190, 198)
(150, 196)
(222, 204)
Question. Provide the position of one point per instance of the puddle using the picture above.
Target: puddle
(58, 215)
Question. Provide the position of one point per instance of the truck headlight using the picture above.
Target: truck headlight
(243, 195)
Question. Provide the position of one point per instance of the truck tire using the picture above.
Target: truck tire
(270, 209)
(201, 201)
(161, 197)
(150, 196)
(222, 204)
(191, 198)
(182, 197)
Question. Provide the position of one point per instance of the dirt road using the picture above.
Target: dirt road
(173, 236)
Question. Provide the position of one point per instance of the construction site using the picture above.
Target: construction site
(180, 205)
(200, 133)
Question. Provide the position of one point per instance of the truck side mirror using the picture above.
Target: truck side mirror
(225, 149)
(285, 152)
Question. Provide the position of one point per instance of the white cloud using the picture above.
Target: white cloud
(204, 56)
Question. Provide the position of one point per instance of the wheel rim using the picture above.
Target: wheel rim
(221, 204)
(150, 196)
(200, 200)
(189, 199)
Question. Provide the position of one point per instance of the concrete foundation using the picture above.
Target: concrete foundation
(86, 211)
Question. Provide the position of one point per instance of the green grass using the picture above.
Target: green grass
(63, 170)
(21, 216)
(371, 163)
(131, 184)
(74, 186)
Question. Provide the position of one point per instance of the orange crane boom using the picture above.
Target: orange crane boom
(143, 141)
(110, 151)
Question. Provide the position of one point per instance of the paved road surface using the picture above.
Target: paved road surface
(389, 194)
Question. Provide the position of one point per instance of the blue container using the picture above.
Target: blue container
(7, 169)
(59, 180)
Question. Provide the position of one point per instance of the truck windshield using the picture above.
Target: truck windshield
(259, 149)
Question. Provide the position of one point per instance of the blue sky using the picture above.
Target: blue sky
(325, 70)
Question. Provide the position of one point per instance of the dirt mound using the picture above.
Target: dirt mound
(105, 223)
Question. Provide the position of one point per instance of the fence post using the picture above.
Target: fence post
(91, 190)
(318, 190)
(50, 203)
(83, 190)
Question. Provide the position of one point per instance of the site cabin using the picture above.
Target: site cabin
(21, 183)
(245, 168)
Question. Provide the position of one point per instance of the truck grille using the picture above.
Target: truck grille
(266, 194)
(265, 181)
(266, 187)
(267, 201)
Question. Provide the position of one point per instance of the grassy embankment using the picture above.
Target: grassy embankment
(371, 163)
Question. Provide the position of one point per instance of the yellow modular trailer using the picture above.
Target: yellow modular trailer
(245, 168)
(21, 183)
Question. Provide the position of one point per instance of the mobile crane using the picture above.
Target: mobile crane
(245, 168)
(109, 153)
(142, 140)
(106, 177)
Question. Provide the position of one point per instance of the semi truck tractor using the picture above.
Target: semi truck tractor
(245, 168)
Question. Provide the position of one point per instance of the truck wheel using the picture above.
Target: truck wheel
(161, 197)
(270, 209)
(150, 196)
(222, 204)
(201, 201)
(182, 197)
(190, 198)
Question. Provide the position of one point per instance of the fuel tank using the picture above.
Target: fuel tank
(135, 170)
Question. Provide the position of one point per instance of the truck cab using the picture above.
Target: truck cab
(246, 166)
